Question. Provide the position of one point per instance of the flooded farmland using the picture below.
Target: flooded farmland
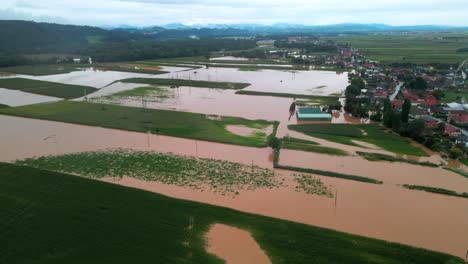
(20, 98)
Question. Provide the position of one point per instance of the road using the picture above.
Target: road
(397, 90)
(461, 65)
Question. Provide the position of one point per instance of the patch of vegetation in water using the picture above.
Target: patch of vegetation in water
(458, 171)
(382, 157)
(39, 70)
(311, 99)
(304, 146)
(248, 69)
(374, 134)
(49, 217)
(61, 90)
(157, 121)
(312, 185)
(222, 177)
(184, 82)
(436, 190)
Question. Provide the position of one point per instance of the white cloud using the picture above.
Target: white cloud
(154, 12)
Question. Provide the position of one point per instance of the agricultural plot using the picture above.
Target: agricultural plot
(182, 82)
(302, 145)
(419, 48)
(164, 122)
(222, 177)
(49, 217)
(307, 99)
(374, 134)
(66, 91)
(39, 70)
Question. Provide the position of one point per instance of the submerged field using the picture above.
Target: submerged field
(66, 91)
(49, 217)
(164, 122)
(192, 83)
(348, 134)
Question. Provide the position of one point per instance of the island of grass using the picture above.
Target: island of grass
(436, 190)
(53, 218)
(39, 70)
(374, 134)
(183, 82)
(310, 146)
(309, 99)
(164, 122)
(60, 90)
(382, 157)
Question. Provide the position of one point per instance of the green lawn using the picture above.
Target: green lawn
(39, 70)
(49, 217)
(183, 82)
(345, 133)
(165, 122)
(66, 91)
(309, 99)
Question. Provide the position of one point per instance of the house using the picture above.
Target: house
(417, 113)
(430, 121)
(463, 140)
(397, 105)
(430, 101)
(459, 119)
(76, 60)
(452, 131)
(312, 114)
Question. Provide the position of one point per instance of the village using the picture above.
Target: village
(435, 94)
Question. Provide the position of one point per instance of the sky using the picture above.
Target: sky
(194, 12)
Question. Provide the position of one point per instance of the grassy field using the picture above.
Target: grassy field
(55, 218)
(182, 82)
(436, 190)
(383, 157)
(217, 176)
(39, 70)
(292, 143)
(309, 99)
(374, 134)
(164, 122)
(455, 95)
(418, 48)
(4, 106)
(66, 91)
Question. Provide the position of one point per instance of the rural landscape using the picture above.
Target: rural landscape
(232, 143)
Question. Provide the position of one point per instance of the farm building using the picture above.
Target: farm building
(312, 114)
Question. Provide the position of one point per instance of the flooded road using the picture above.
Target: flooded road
(234, 245)
(385, 212)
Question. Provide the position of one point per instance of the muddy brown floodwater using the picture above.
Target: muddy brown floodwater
(234, 245)
(386, 211)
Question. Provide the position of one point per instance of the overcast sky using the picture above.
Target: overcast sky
(309, 12)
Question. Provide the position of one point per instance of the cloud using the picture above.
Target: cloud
(312, 12)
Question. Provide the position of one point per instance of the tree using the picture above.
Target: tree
(415, 128)
(455, 153)
(396, 121)
(440, 128)
(387, 105)
(419, 84)
(438, 94)
(274, 143)
(388, 117)
(405, 111)
(352, 91)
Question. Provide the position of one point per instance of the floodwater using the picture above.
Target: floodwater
(24, 138)
(20, 98)
(234, 245)
(386, 212)
(247, 131)
(296, 82)
(231, 58)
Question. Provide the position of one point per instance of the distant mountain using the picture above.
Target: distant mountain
(176, 26)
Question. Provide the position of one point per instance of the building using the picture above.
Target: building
(452, 131)
(312, 114)
(430, 121)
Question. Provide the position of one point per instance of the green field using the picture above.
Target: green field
(4, 106)
(309, 99)
(302, 145)
(66, 91)
(420, 48)
(455, 95)
(164, 122)
(39, 70)
(345, 134)
(223, 177)
(55, 218)
(183, 82)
